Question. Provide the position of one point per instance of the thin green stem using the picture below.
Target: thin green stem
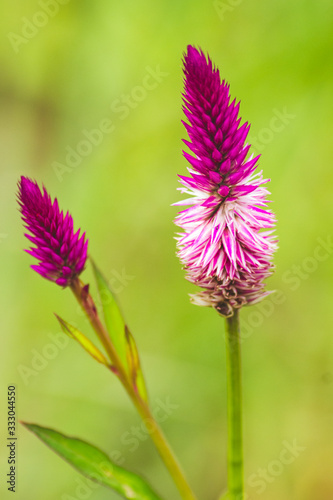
(234, 396)
(86, 302)
(166, 453)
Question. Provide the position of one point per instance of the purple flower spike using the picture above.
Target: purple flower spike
(61, 253)
(227, 246)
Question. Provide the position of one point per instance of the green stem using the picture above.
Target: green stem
(166, 453)
(234, 396)
(86, 302)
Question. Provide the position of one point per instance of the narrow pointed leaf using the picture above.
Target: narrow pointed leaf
(87, 345)
(95, 464)
(113, 317)
(120, 335)
(133, 361)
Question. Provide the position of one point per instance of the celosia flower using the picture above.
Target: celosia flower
(228, 244)
(62, 254)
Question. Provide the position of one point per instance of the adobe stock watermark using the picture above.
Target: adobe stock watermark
(131, 439)
(139, 433)
(260, 479)
(86, 485)
(120, 108)
(225, 7)
(277, 124)
(298, 273)
(293, 277)
(265, 476)
(31, 27)
(117, 283)
(40, 359)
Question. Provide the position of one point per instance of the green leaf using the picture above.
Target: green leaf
(87, 345)
(120, 335)
(113, 317)
(133, 361)
(95, 464)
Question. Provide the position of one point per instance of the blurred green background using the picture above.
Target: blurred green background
(68, 66)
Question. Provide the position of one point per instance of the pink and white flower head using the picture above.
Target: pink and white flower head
(228, 242)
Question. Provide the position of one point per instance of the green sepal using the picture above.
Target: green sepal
(134, 364)
(87, 345)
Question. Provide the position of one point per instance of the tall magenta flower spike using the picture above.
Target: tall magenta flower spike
(61, 253)
(228, 243)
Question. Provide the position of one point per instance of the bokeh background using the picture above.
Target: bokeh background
(66, 67)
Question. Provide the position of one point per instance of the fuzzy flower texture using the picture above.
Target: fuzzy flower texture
(228, 243)
(62, 254)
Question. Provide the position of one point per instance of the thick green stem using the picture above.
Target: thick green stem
(86, 302)
(234, 395)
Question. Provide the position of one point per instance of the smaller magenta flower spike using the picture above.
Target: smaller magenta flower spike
(62, 254)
